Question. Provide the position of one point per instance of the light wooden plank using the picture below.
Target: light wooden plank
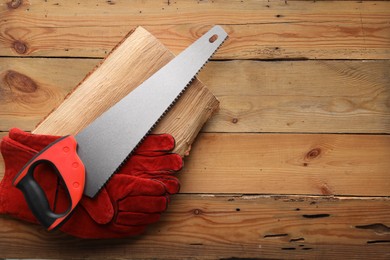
(30, 89)
(192, 12)
(304, 96)
(210, 227)
(324, 164)
(307, 164)
(142, 54)
(299, 29)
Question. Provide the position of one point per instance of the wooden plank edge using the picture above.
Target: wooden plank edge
(229, 226)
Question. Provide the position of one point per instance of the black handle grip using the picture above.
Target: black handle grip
(36, 198)
(62, 156)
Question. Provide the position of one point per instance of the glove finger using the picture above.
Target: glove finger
(143, 204)
(167, 163)
(100, 208)
(128, 230)
(102, 232)
(10, 146)
(172, 185)
(156, 143)
(81, 225)
(121, 185)
(36, 142)
(137, 219)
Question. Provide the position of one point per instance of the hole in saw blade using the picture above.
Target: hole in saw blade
(213, 38)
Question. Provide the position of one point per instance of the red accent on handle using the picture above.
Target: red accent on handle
(62, 155)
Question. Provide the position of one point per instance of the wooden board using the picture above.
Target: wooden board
(304, 164)
(265, 30)
(289, 164)
(256, 96)
(221, 227)
(300, 96)
(294, 165)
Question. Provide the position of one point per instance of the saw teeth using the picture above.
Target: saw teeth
(170, 106)
(165, 112)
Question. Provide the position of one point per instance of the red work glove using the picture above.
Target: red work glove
(131, 200)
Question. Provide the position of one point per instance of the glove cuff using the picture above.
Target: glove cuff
(12, 201)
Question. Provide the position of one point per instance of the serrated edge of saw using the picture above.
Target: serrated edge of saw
(167, 109)
(162, 115)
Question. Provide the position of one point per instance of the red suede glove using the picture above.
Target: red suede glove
(131, 200)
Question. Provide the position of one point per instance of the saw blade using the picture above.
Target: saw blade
(107, 142)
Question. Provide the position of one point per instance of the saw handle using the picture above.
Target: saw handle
(62, 157)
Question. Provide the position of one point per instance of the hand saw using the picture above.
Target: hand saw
(86, 161)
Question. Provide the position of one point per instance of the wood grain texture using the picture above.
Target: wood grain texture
(255, 96)
(289, 164)
(306, 164)
(300, 96)
(141, 54)
(29, 90)
(317, 68)
(258, 30)
(217, 227)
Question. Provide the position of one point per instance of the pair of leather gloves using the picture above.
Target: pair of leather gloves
(131, 200)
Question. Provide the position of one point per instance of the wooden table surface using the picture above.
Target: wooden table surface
(296, 163)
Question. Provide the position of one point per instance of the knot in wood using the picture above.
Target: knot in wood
(20, 82)
(13, 4)
(314, 153)
(20, 47)
(197, 211)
